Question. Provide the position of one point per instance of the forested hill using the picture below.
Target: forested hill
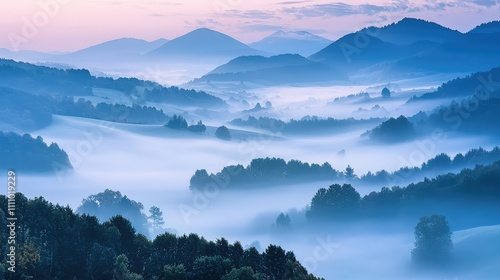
(52, 242)
(271, 172)
(306, 125)
(79, 82)
(28, 154)
(480, 82)
(25, 112)
(470, 198)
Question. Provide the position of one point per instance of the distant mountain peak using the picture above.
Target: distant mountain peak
(410, 30)
(299, 35)
(488, 27)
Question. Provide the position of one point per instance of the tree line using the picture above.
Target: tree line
(307, 124)
(469, 198)
(55, 243)
(79, 82)
(25, 153)
(270, 172)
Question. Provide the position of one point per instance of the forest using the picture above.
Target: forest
(55, 243)
(269, 172)
(25, 111)
(306, 124)
(79, 82)
(25, 153)
(468, 199)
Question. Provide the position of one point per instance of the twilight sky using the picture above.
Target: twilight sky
(68, 25)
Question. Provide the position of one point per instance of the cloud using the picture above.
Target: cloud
(293, 2)
(485, 3)
(260, 27)
(340, 9)
(253, 14)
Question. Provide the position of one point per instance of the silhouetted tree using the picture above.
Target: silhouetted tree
(223, 133)
(349, 173)
(110, 203)
(198, 128)
(433, 243)
(177, 122)
(282, 221)
(156, 219)
(335, 202)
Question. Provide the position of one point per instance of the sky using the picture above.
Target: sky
(69, 25)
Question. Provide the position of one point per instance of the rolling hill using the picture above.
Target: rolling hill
(202, 43)
(295, 42)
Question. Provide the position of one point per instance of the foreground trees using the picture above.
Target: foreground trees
(55, 243)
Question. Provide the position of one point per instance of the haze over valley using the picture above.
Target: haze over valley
(369, 154)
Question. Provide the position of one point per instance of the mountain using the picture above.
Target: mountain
(114, 51)
(469, 52)
(274, 70)
(489, 27)
(411, 30)
(348, 54)
(410, 48)
(203, 43)
(24, 55)
(59, 83)
(294, 42)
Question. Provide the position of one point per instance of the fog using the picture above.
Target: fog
(153, 165)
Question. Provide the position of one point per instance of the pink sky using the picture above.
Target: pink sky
(68, 25)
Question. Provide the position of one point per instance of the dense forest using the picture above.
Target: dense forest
(479, 82)
(470, 198)
(473, 115)
(52, 242)
(25, 111)
(25, 153)
(270, 172)
(79, 82)
(392, 130)
(306, 125)
(110, 203)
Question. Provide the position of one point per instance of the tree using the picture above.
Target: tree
(274, 262)
(211, 268)
(122, 272)
(177, 122)
(197, 128)
(433, 243)
(386, 93)
(349, 173)
(244, 273)
(223, 133)
(174, 272)
(156, 219)
(110, 203)
(283, 221)
(335, 202)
